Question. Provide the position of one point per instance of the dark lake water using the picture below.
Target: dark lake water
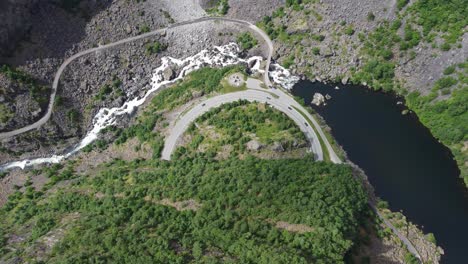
(406, 165)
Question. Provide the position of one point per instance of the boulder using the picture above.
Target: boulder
(168, 74)
(128, 29)
(254, 145)
(318, 99)
(197, 94)
(84, 86)
(278, 147)
(345, 80)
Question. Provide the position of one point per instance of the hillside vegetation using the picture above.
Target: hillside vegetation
(447, 119)
(190, 210)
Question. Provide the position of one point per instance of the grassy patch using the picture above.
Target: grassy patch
(144, 29)
(289, 61)
(228, 88)
(349, 30)
(168, 16)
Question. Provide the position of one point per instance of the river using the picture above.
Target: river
(406, 165)
(218, 56)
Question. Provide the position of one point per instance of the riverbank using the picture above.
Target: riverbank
(378, 44)
(379, 242)
(404, 163)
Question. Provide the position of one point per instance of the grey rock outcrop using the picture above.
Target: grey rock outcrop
(168, 74)
(254, 145)
(318, 99)
(278, 147)
(207, 4)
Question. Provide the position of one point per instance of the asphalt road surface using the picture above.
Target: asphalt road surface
(184, 122)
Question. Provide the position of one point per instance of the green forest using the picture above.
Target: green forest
(121, 219)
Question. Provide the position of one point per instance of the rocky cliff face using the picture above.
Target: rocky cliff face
(15, 16)
(206, 4)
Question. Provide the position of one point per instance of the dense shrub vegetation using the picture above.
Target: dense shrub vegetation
(448, 121)
(246, 41)
(265, 121)
(5, 114)
(113, 87)
(295, 4)
(270, 28)
(450, 17)
(447, 118)
(221, 8)
(155, 47)
(401, 4)
(378, 74)
(379, 70)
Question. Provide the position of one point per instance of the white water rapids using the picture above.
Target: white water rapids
(219, 56)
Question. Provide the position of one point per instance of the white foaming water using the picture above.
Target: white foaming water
(283, 77)
(220, 56)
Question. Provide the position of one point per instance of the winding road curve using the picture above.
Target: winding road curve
(250, 95)
(64, 65)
